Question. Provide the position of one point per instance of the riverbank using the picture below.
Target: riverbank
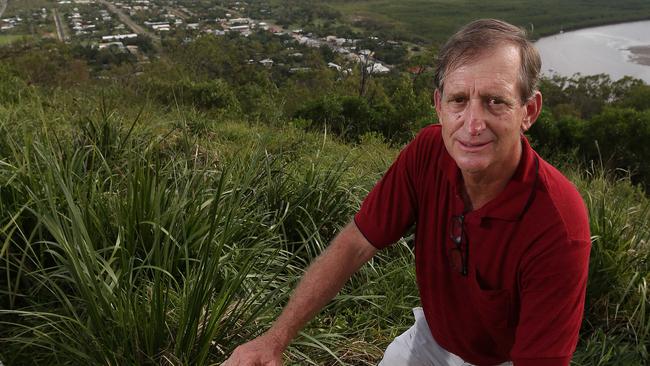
(617, 50)
(640, 55)
(577, 27)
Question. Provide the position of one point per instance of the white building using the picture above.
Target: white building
(267, 62)
(117, 44)
(161, 27)
(240, 28)
(239, 20)
(334, 66)
(377, 68)
(117, 37)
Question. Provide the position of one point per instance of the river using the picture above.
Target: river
(618, 50)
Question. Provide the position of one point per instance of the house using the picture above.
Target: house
(240, 21)
(118, 45)
(133, 49)
(353, 57)
(161, 27)
(310, 42)
(118, 37)
(377, 68)
(334, 66)
(267, 62)
(151, 24)
(239, 28)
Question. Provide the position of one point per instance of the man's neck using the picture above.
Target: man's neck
(481, 188)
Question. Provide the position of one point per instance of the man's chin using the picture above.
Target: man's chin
(472, 166)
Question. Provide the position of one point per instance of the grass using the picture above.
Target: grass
(144, 236)
(433, 21)
(11, 38)
(14, 7)
(146, 251)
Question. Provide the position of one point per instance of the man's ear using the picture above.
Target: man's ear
(533, 109)
(437, 97)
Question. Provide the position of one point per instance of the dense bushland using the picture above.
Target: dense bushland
(160, 214)
(433, 21)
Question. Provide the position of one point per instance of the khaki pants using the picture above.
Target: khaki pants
(416, 347)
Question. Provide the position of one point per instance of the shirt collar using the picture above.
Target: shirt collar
(514, 200)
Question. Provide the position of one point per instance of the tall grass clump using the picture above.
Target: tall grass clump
(121, 245)
(616, 329)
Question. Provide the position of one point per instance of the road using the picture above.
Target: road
(3, 6)
(131, 24)
(60, 29)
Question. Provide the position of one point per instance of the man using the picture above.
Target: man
(502, 238)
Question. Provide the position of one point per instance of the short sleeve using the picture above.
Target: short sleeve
(552, 287)
(390, 208)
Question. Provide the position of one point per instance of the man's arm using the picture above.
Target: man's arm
(320, 283)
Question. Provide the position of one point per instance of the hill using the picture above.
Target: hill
(136, 234)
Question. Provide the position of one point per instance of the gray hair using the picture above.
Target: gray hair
(487, 34)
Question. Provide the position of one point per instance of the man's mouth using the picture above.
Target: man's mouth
(473, 146)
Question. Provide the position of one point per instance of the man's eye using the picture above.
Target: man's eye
(458, 100)
(495, 101)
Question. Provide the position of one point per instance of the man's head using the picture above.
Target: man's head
(486, 97)
(483, 35)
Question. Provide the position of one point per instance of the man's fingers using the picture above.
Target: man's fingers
(231, 361)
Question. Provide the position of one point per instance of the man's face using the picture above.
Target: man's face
(482, 115)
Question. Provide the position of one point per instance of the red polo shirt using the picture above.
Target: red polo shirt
(523, 297)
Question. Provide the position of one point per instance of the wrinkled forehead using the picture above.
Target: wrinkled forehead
(494, 85)
(496, 67)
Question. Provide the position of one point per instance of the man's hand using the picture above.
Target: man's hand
(320, 283)
(264, 350)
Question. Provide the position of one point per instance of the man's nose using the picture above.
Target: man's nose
(475, 121)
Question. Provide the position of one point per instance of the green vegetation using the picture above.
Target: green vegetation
(17, 7)
(8, 39)
(433, 21)
(160, 213)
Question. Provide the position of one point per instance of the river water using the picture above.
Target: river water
(617, 50)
